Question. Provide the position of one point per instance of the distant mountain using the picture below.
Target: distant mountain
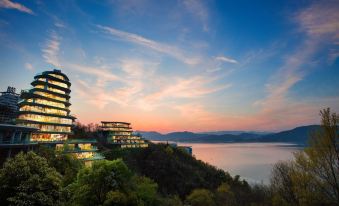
(297, 135)
(152, 135)
(174, 136)
(235, 132)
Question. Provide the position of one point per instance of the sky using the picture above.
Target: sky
(180, 65)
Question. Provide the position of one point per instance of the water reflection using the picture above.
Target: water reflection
(252, 161)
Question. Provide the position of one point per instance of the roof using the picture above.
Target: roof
(115, 122)
(54, 71)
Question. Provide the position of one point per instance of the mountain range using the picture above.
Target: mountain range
(298, 135)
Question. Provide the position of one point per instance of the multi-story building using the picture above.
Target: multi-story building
(46, 107)
(121, 134)
(8, 105)
(13, 139)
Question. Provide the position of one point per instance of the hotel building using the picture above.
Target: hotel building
(121, 134)
(46, 107)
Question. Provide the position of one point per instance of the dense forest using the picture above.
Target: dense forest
(165, 175)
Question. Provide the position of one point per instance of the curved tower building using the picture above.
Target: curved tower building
(46, 107)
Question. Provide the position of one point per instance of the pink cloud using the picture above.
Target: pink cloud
(12, 5)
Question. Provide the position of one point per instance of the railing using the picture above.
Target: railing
(15, 142)
(76, 150)
(72, 141)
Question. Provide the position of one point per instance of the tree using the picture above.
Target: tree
(224, 195)
(94, 183)
(66, 164)
(282, 184)
(112, 183)
(146, 190)
(175, 171)
(171, 201)
(312, 178)
(201, 197)
(27, 179)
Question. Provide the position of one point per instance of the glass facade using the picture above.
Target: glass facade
(46, 102)
(46, 107)
(43, 110)
(120, 133)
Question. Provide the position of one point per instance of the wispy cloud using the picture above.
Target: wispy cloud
(138, 85)
(226, 59)
(154, 45)
(29, 66)
(59, 24)
(98, 72)
(95, 95)
(320, 24)
(130, 75)
(192, 87)
(51, 50)
(198, 9)
(13, 5)
(320, 19)
(197, 113)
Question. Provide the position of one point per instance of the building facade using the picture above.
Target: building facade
(9, 105)
(121, 134)
(14, 139)
(47, 107)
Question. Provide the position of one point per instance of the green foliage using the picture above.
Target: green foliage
(66, 164)
(171, 201)
(175, 171)
(178, 173)
(224, 195)
(116, 198)
(93, 183)
(27, 179)
(201, 197)
(146, 189)
(312, 178)
(112, 183)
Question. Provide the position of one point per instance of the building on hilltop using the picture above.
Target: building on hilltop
(121, 134)
(9, 105)
(46, 107)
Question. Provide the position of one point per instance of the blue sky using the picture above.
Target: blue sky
(180, 65)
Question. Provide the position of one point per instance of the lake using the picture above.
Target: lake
(252, 161)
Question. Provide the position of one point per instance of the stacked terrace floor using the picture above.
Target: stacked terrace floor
(13, 139)
(121, 134)
(46, 107)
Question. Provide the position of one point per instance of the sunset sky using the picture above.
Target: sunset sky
(180, 65)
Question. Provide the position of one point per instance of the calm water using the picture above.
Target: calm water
(252, 161)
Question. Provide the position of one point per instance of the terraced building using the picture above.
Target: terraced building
(46, 107)
(121, 134)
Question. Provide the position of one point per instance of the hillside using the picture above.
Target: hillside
(178, 173)
(298, 135)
